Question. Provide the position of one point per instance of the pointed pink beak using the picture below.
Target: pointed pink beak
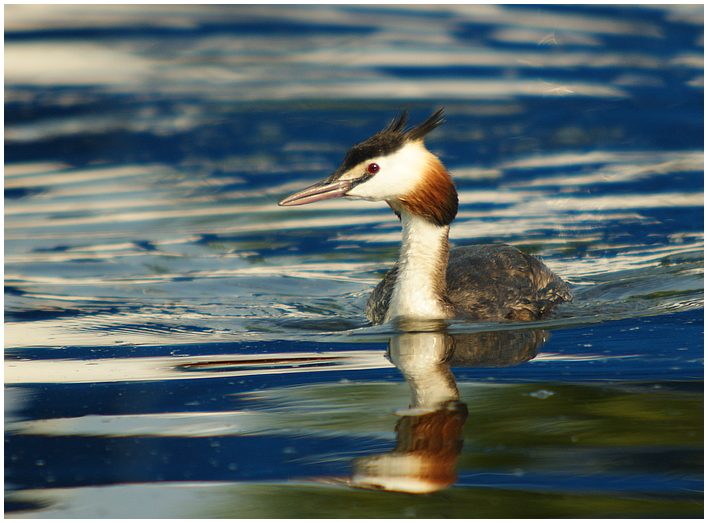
(323, 190)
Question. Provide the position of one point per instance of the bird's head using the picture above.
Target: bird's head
(392, 166)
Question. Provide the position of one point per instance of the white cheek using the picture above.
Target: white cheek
(398, 175)
(388, 183)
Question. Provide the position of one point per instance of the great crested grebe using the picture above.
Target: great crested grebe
(430, 281)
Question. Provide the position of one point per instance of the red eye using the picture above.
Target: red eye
(373, 168)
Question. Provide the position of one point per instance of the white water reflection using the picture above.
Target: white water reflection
(184, 16)
(259, 70)
(188, 367)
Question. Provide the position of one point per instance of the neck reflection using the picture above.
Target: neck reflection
(430, 433)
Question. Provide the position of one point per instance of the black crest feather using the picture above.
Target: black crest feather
(420, 131)
(397, 124)
(389, 140)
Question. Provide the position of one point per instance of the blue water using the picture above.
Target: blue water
(177, 345)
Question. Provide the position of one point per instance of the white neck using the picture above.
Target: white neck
(420, 282)
(421, 356)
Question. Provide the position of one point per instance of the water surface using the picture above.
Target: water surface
(175, 339)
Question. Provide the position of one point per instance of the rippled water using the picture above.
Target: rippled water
(179, 346)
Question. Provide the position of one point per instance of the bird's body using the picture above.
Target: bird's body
(429, 281)
(486, 283)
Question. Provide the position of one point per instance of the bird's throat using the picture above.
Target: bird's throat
(419, 291)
